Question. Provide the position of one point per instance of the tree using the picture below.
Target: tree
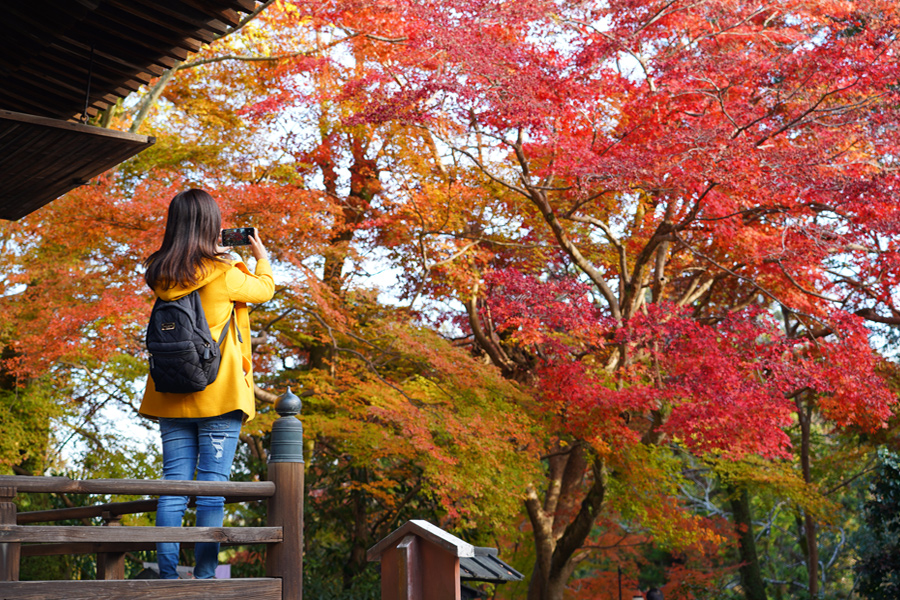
(696, 166)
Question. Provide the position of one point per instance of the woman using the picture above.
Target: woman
(200, 430)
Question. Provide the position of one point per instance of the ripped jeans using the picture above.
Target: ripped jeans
(207, 445)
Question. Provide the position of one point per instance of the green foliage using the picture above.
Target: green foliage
(774, 481)
(322, 577)
(25, 417)
(878, 567)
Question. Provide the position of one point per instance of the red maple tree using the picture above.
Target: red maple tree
(719, 176)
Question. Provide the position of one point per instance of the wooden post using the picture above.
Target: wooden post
(9, 552)
(285, 559)
(420, 562)
(111, 565)
(409, 570)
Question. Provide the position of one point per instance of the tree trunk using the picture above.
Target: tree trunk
(809, 527)
(804, 415)
(557, 543)
(359, 531)
(364, 185)
(751, 578)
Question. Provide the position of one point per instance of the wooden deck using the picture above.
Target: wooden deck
(144, 589)
(283, 535)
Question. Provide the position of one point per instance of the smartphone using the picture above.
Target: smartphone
(237, 237)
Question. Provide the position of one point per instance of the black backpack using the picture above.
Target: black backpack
(183, 356)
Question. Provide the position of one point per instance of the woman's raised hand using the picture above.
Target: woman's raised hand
(257, 248)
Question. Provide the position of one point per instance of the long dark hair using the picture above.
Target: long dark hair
(189, 244)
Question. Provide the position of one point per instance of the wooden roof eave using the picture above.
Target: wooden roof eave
(42, 158)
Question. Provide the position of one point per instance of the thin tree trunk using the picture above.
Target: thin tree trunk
(804, 415)
(359, 531)
(364, 184)
(751, 578)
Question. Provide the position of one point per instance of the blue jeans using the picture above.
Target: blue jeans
(207, 445)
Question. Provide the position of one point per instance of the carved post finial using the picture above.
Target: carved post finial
(287, 431)
(288, 404)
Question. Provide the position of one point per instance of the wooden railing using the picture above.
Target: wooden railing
(283, 534)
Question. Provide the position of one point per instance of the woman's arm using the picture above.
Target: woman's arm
(244, 286)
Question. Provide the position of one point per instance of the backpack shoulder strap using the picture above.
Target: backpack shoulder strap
(232, 319)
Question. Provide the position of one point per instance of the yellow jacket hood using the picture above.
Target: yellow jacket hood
(214, 270)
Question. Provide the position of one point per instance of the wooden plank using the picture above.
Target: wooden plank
(34, 160)
(49, 87)
(130, 54)
(28, 158)
(12, 137)
(86, 156)
(112, 41)
(136, 487)
(95, 548)
(245, 5)
(199, 20)
(160, 15)
(156, 34)
(116, 64)
(229, 16)
(102, 77)
(110, 565)
(24, 93)
(144, 589)
(35, 28)
(86, 512)
(131, 40)
(65, 81)
(39, 164)
(114, 508)
(439, 573)
(133, 34)
(53, 533)
(9, 115)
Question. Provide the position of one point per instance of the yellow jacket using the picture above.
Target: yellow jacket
(233, 387)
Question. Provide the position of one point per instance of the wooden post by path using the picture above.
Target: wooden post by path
(420, 562)
(111, 565)
(285, 559)
(9, 552)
